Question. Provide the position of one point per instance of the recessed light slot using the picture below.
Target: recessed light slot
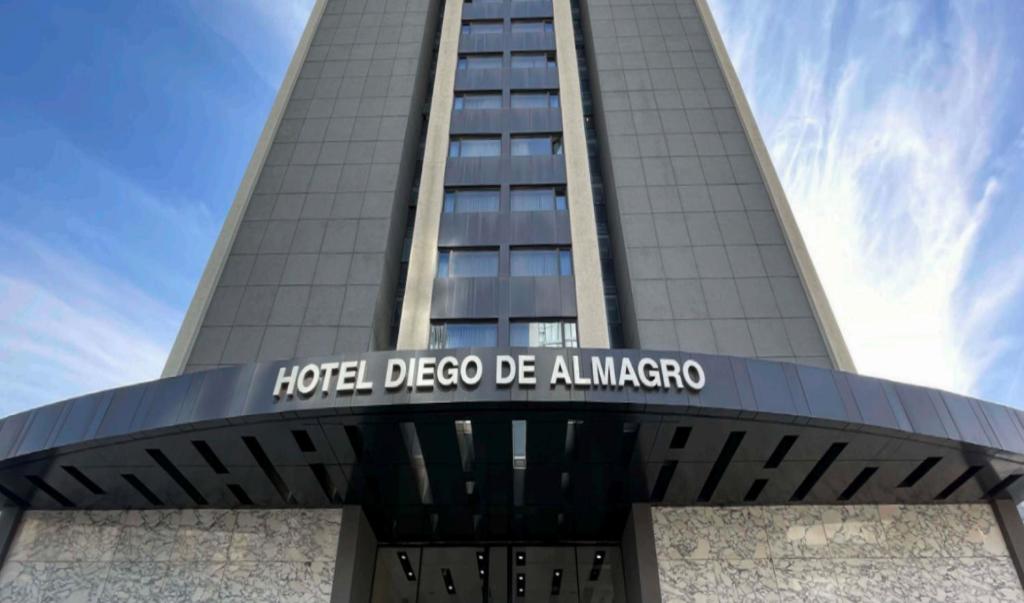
(668, 469)
(268, 469)
(920, 471)
(449, 584)
(857, 483)
(355, 439)
(955, 484)
(556, 582)
(780, 452)
(240, 494)
(50, 491)
(303, 440)
(81, 478)
(755, 490)
(1002, 485)
(176, 475)
(520, 585)
(732, 444)
(141, 488)
(403, 560)
(680, 437)
(818, 470)
(323, 477)
(481, 563)
(595, 568)
(209, 456)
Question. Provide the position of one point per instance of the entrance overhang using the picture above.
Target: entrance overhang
(434, 462)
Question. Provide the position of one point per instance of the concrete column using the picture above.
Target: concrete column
(591, 318)
(356, 560)
(1012, 527)
(639, 557)
(414, 330)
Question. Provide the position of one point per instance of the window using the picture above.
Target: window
(474, 147)
(471, 28)
(467, 263)
(487, 100)
(546, 334)
(536, 145)
(542, 99)
(474, 62)
(533, 60)
(533, 26)
(446, 335)
(538, 199)
(540, 262)
(470, 201)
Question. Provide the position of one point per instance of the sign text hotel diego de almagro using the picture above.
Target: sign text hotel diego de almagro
(426, 373)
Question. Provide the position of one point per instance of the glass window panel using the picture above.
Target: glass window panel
(533, 199)
(442, 264)
(473, 263)
(560, 202)
(478, 101)
(530, 27)
(534, 262)
(536, 334)
(570, 340)
(474, 62)
(471, 201)
(565, 262)
(475, 147)
(463, 335)
(483, 27)
(529, 100)
(531, 61)
(531, 146)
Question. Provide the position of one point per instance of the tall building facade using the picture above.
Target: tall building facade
(511, 306)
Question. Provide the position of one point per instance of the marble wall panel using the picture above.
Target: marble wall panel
(871, 553)
(173, 555)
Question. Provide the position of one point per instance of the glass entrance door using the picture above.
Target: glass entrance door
(499, 574)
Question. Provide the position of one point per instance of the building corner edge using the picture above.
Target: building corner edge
(824, 316)
(177, 359)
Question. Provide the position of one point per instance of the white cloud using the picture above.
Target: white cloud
(69, 326)
(881, 134)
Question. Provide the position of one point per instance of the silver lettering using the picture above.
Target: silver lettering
(560, 373)
(670, 372)
(527, 364)
(309, 378)
(395, 375)
(478, 370)
(693, 373)
(447, 371)
(577, 374)
(602, 370)
(627, 374)
(505, 370)
(286, 381)
(649, 375)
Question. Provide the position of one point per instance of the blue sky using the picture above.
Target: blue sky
(897, 130)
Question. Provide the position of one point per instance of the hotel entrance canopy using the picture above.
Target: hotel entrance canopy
(501, 458)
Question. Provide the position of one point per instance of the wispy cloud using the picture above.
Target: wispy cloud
(246, 25)
(69, 326)
(881, 123)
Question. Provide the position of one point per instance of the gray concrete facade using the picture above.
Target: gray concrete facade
(311, 269)
(703, 261)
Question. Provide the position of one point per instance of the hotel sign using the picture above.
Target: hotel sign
(612, 371)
